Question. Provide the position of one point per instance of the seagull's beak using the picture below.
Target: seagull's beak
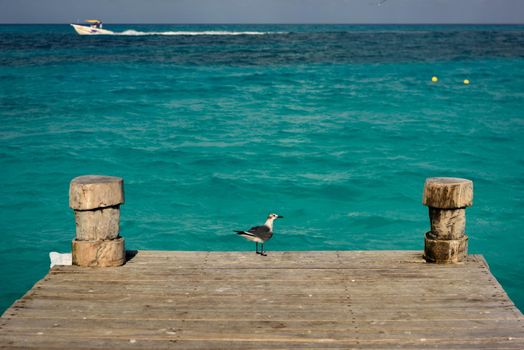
(280, 217)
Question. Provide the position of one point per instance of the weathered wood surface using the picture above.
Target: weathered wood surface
(100, 253)
(447, 224)
(287, 300)
(96, 201)
(445, 251)
(101, 224)
(94, 191)
(447, 198)
(448, 193)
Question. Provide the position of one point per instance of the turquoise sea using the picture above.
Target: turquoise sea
(212, 127)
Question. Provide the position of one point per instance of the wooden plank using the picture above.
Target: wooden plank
(305, 295)
(68, 300)
(71, 342)
(159, 325)
(273, 334)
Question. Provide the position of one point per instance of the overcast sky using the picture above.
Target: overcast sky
(263, 11)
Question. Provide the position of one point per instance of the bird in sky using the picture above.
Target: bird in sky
(260, 234)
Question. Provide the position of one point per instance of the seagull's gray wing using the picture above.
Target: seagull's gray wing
(263, 232)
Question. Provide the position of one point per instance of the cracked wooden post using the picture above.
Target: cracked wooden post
(96, 202)
(447, 199)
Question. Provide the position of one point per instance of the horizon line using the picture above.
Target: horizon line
(275, 23)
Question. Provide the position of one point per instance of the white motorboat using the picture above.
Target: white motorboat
(94, 27)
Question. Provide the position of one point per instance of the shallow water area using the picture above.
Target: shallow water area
(334, 127)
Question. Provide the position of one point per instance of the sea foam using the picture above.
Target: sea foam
(132, 32)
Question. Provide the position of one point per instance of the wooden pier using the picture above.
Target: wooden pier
(287, 300)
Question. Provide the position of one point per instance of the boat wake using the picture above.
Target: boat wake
(213, 32)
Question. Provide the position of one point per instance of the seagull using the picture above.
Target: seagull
(260, 234)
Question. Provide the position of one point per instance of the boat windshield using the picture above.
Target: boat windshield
(93, 23)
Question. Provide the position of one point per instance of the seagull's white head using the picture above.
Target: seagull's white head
(274, 216)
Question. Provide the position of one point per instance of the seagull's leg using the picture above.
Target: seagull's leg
(257, 247)
(262, 250)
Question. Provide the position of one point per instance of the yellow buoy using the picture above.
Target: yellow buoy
(434, 79)
(466, 82)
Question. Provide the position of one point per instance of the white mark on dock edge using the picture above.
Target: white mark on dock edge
(132, 341)
(40, 333)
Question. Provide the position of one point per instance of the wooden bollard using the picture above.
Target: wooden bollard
(96, 201)
(447, 199)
